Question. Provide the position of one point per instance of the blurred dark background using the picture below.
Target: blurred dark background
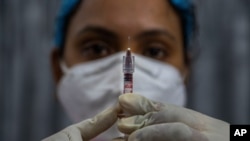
(219, 84)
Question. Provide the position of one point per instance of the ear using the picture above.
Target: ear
(186, 72)
(55, 65)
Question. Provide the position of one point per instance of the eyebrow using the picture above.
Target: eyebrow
(109, 34)
(155, 32)
(98, 30)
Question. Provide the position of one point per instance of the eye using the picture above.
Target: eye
(95, 49)
(156, 51)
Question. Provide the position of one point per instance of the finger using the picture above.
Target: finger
(128, 125)
(137, 105)
(119, 139)
(90, 128)
(167, 131)
(155, 112)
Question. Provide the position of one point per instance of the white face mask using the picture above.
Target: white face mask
(89, 88)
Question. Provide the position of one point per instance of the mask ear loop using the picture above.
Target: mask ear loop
(64, 67)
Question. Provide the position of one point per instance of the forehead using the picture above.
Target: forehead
(126, 7)
(127, 15)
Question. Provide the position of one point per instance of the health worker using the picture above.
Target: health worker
(91, 38)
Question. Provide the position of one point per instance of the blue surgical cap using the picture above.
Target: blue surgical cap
(184, 7)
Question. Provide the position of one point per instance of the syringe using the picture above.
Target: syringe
(128, 70)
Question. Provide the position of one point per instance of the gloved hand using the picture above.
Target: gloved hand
(147, 120)
(87, 129)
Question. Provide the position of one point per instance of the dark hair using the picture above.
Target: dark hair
(188, 41)
(68, 19)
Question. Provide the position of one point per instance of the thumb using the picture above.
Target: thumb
(140, 109)
(90, 128)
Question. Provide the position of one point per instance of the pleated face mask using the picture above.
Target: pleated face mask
(88, 88)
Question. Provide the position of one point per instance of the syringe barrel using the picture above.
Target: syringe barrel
(128, 64)
(128, 83)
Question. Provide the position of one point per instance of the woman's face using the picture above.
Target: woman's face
(100, 28)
